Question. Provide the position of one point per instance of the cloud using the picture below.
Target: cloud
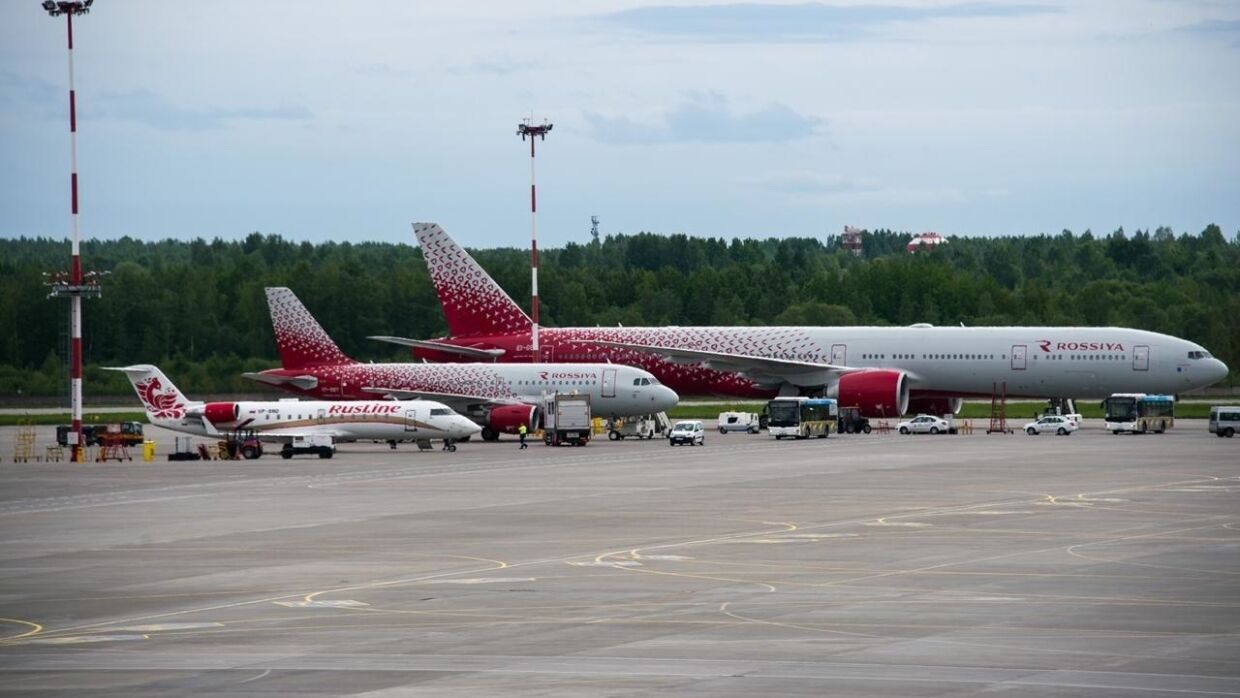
(499, 65)
(808, 22)
(44, 98)
(1224, 29)
(805, 183)
(153, 110)
(707, 117)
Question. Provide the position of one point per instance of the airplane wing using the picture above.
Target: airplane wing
(472, 352)
(303, 382)
(459, 402)
(758, 368)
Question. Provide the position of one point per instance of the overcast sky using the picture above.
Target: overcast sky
(332, 120)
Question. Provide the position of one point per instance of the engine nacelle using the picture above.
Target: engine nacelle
(878, 393)
(505, 419)
(221, 412)
(935, 405)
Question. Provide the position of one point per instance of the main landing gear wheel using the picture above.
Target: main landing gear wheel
(489, 434)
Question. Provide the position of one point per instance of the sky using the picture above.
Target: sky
(340, 121)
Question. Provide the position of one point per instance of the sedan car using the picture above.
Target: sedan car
(691, 433)
(924, 424)
(1052, 423)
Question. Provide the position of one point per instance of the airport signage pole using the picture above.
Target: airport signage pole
(74, 285)
(535, 133)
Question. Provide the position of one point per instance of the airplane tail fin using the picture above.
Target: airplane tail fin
(302, 341)
(163, 401)
(473, 304)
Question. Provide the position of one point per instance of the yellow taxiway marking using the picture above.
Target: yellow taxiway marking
(35, 629)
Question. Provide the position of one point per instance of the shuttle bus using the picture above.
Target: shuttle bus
(801, 417)
(1139, 413)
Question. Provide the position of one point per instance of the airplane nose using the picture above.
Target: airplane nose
(665, 398)
(1217, 371)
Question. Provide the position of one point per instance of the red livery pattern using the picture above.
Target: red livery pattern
(364, 409)
(300, 339)
(161, 405)
(472, 303)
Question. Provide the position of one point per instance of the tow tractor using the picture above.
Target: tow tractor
(642, 427)
(321, 445)
(852, 421)
(240, 444)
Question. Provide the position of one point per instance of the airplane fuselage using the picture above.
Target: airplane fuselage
(375, 420)
(618, 390)
(1083, 362)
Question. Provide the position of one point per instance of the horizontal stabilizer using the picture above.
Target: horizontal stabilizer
(471, 352)
(303, 382)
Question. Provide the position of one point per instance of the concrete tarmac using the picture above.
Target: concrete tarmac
(875, 565)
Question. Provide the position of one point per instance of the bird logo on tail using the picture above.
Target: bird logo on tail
(160, 405)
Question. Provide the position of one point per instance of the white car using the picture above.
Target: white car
(924, 424)
(1062, 425)
(691, 433)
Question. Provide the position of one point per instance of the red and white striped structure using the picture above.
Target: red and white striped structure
(76, 285)
(534, 133)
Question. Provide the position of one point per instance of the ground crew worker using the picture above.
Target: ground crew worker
(521, 433)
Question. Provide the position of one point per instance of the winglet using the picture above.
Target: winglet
(300, 338)
(473, 304)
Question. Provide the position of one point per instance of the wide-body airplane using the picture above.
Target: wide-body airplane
(287, 421)
(498, 397)
(886, 371)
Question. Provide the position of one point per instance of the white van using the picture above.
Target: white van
(738, 421)
(1224, 420)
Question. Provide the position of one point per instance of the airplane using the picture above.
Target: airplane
(499, 398)
(885, 371)
(293, 422)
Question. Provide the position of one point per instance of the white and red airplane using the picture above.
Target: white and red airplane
(291, 421)
(886, 371)
(499, 398)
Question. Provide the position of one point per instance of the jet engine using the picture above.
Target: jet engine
(935, 405)
(879, 392)
(504, 419)
(221, 412)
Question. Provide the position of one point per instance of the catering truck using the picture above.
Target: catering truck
(567, 420)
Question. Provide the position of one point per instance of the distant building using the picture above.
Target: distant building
(851, 239)
(926, 241)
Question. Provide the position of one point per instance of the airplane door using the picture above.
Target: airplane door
(839, 354)
(1018, 357)
(1141, 358)
(411, 420)
(322, 416)
(609, 382)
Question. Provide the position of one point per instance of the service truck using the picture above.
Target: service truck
(567, 420)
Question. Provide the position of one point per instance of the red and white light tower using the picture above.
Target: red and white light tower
(74, 284)
(535, 133)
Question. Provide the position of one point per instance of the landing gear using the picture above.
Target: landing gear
(449, 445)
(489, 434)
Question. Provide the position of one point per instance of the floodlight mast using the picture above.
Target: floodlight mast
(74, 286)
(535, 133)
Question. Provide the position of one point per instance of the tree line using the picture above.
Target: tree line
(198, 308)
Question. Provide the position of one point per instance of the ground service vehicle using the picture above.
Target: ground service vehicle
(321, 446)
(738, 421)
(924, 424)
(92, 434)
(643, 427)
(852, 421)
(1139, 413)
(1057, 424)
(801, 417)
(566, 420)
(691, 433)
(1224, 420)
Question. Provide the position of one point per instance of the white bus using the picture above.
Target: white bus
(801, 417)
(1139, 413)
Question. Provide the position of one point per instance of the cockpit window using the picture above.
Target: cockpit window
(440, 411)
(637, 381)
(1198, 355)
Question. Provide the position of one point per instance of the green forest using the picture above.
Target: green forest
(197, 308)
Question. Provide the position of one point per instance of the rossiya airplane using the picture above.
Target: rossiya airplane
(291, 421)
(886, 371)
(498, 397)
